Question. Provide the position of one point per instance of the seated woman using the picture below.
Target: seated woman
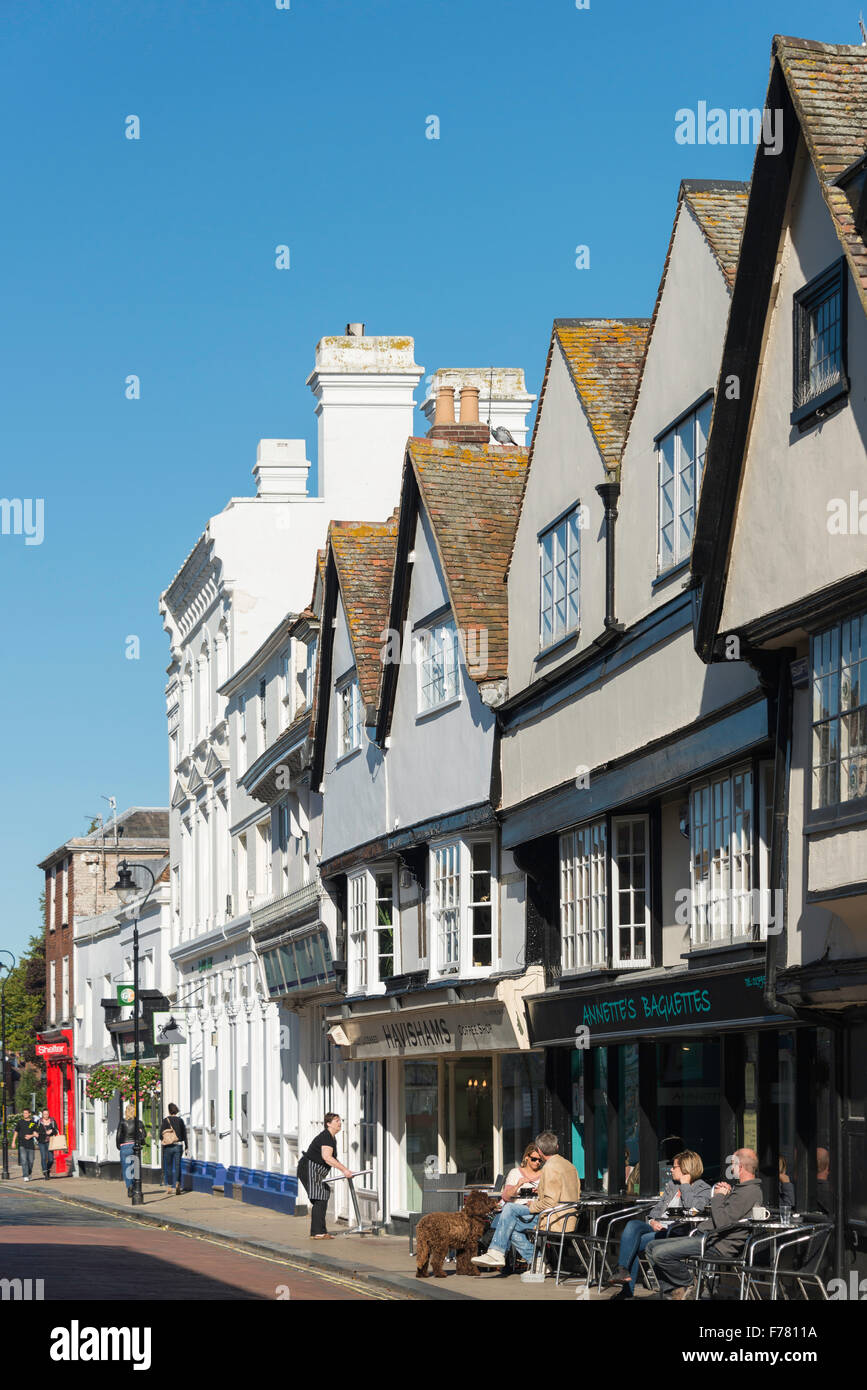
(520, 1186)
(686, 1190)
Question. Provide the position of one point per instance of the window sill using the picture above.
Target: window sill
(663, 576)
(345, 757)
(586, 973)
(425, 714)
(713, 948)
(813, 412)
(839, 817)
(544, 652)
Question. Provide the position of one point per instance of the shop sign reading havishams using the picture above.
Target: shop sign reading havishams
(425, 1032)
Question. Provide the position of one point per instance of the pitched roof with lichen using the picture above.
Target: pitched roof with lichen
(720, 207)
(472, 496)
(604, 357)
(364, 558)
(828, 86)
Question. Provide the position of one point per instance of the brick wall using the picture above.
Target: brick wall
(91, 874)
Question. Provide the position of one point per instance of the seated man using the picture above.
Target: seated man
(559, 1183)
(729, 1204)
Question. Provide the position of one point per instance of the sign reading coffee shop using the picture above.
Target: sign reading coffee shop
(420, 1032)
(688, 1003)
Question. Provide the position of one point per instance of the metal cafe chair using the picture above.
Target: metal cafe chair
(544, 1236)
(709, 1264)
(597, 1244)
(442, 1193)
(810, 1243)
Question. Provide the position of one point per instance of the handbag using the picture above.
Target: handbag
(56, 1143)
(168, 1141)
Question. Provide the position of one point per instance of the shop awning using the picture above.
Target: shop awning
(471, 1018)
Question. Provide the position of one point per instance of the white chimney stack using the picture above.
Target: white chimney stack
(281, 469)
(365, 398)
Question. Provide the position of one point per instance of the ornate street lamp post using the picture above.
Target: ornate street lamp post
(128, 890)
(3, 1081)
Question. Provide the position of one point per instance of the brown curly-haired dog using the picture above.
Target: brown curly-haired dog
(441, 1231)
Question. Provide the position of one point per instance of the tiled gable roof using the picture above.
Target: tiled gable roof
(472, 495)
(828, 85)
(720, 208)
(364, 557)
(604, 357)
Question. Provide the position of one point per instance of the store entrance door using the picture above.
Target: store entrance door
(471, 1118)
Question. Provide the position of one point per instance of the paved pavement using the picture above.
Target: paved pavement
(380, 1264)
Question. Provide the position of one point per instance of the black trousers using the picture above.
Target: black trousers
(317, 1218)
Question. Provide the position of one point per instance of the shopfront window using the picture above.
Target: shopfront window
(368, 1120)
(827, 1161)
(628, 1115)
(421, 1125)
(471, 1146)
(598, 1177)
(787, 1127)
(689, 1098)
(523, 1085)
(578, 1146)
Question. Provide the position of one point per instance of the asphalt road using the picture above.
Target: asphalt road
(81, 1254)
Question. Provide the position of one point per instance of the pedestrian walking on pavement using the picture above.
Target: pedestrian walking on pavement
(25, 1134)
(125, 1140)
(173, 1136)
(46, 1130)
(314, 1167)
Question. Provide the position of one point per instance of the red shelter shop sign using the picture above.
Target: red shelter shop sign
(60, 1088)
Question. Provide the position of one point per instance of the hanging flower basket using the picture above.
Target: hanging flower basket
(103, 1082)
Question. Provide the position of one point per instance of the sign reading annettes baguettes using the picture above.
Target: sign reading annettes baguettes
(689, 1002)
(429, 1031)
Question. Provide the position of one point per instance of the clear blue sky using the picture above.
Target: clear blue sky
(262, 126)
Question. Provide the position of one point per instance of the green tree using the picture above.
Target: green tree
(25, 1001)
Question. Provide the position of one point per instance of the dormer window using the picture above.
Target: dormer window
(680, 453)
(349, 716)
(819, 339)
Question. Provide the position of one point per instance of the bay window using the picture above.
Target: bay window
(598, 929)
(722, 869)
(371, 929)
(462, 906)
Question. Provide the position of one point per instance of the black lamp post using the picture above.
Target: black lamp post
(5, 1105)
(127, 889)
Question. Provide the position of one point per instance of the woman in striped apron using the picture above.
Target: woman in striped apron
(313, 1168)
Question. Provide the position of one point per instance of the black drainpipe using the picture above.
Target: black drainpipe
(609, 492)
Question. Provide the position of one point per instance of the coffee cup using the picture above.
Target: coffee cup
(760, 1213)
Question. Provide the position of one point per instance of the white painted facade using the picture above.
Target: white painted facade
(226, 613)
(103, 949)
